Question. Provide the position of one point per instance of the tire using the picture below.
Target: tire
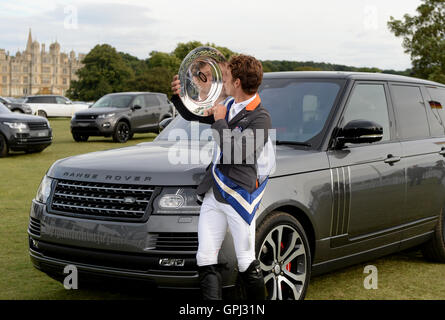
(80, 138)
(121, 132)
(42, 113)
(286, 275)
(434, 249)
(4, 149)
(17, 111)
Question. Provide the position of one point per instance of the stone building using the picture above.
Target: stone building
(37, 71)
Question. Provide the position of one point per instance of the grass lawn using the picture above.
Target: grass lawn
(402, 276)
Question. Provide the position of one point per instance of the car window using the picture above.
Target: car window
(410, 112)
(3, 108)
(151, 100)
(40, 100)
(139, 101)
(437, 107)
(61, 100)
(368, 102)
(298, 108)
(113, 101)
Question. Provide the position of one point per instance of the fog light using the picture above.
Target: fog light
(106, 125)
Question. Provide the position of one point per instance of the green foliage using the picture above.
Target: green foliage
(104, 71)
(424, 39)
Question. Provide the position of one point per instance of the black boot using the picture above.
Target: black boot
(210, 281)
(253, 282)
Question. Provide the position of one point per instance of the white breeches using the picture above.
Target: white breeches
(212, 227)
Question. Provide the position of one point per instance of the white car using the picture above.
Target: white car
(53, 106)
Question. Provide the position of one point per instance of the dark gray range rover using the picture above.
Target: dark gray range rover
(360, 174)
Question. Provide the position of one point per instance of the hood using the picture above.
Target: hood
(91, 111)
(157, 163)
(18, 117)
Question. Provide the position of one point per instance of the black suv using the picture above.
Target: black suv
(120, 115)
(23, 132)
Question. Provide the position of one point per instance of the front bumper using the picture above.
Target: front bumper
(28, 141)
(98, 251)
(99, 127)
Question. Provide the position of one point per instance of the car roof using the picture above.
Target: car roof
(347, 75)
(133, 93)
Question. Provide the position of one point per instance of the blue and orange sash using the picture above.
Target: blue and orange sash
(245, 203)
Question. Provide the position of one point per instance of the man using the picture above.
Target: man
(234, 168)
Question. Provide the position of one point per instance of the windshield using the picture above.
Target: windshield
(113, 101)
(299, 109)
(3, 108)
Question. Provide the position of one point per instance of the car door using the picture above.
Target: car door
(368, 180)
(63, 108)
(152, 110)
(137, 119)
(422, 155)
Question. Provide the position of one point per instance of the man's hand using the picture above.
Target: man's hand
(219, 112)
(176, 85)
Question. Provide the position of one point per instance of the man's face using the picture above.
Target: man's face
(228, 82)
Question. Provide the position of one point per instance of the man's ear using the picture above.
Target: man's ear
(237, 83)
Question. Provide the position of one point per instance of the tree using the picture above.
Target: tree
(424, 39)
(104, 71)
(157, 79)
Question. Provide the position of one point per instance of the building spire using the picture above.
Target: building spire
(29, 43)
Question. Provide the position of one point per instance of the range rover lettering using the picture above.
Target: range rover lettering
(120, 115)
(360, 174)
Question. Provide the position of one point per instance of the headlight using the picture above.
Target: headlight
(177, 201)
(44, 189)
(104, 116)
(17, 125)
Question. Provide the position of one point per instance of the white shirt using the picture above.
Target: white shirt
(237, 107)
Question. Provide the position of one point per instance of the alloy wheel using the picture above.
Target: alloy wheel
(283, 260)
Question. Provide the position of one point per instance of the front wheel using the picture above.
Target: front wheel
(121, 132)
(80, 137)
(3, 146)
(285, 257)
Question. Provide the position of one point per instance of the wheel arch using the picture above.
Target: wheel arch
(297, 211)
(126, 120)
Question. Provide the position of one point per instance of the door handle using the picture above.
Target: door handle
(442, 152)
(392, 159)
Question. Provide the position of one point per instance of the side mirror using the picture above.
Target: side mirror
(164, 123)
(136, 107)
(68, 102)
(359, 131)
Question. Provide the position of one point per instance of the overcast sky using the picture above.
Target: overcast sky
(350, 32)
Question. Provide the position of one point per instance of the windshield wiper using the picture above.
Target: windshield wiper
(293, 143)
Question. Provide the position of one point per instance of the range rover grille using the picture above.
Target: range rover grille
(101, 200)
(86, 117)
(37, 125)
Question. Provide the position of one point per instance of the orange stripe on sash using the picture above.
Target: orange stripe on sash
(255, 103)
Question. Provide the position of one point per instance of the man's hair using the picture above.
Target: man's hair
(249, 70)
